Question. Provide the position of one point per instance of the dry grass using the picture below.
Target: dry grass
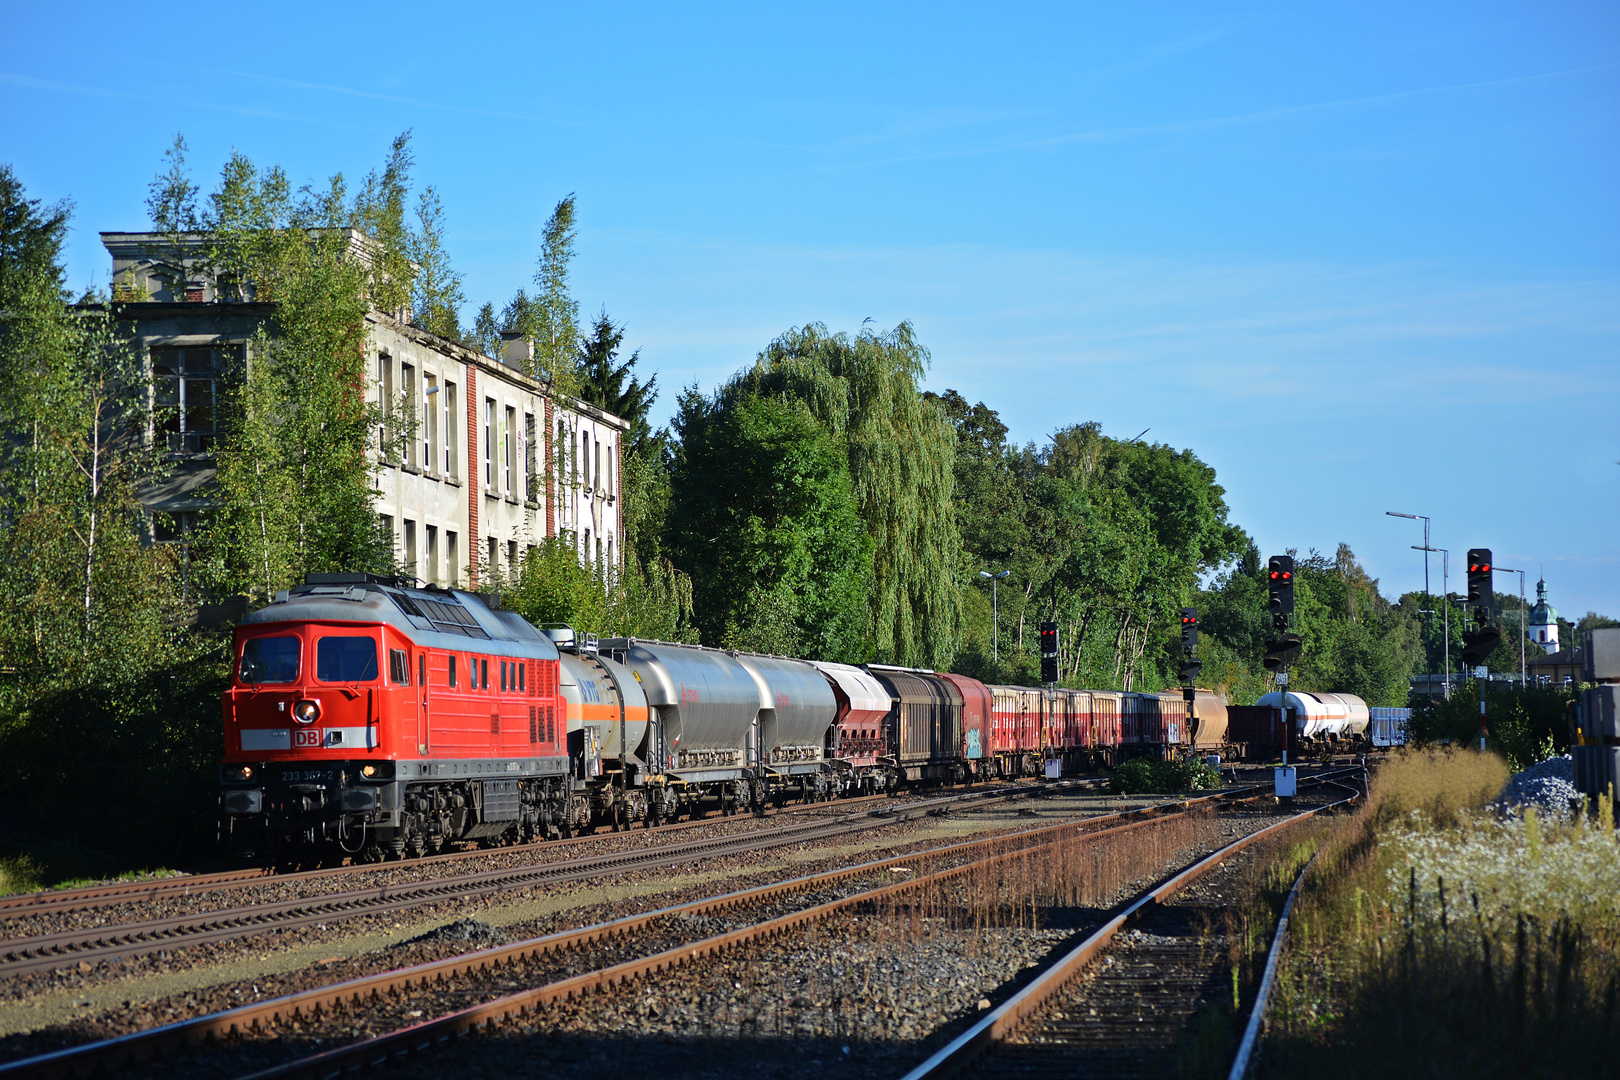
(1436, 939)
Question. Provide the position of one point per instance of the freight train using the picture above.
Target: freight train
(371, 720)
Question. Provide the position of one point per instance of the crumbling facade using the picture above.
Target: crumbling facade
(476, 461)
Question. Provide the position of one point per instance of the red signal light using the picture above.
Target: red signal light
(1287, 576)
(1275, 575)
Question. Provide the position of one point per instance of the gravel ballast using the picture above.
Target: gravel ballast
(1547, 785)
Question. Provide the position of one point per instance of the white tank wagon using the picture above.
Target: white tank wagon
(607, 736)
(796, 710)
(1323, 717)
(735, 727)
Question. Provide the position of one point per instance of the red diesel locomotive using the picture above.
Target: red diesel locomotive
(373, 721)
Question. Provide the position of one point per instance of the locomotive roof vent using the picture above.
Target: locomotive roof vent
(563, 636)
(392, 580)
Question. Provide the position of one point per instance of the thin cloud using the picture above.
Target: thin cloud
(28, 82)
(1179, 127)
(419, 103)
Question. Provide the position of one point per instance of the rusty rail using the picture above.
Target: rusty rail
(123, 941)
(1002, 1021)
(125, 1051)
(88, 897)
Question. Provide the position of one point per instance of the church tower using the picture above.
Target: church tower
(1544, 620)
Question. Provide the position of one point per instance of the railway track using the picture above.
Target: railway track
(89, 897)
(167, 1042)
(1127, 1021)
(48, 952)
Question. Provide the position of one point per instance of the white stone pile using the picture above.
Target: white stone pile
(1547, 785)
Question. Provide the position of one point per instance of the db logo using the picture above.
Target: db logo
(307, 737)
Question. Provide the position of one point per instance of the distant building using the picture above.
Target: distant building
(471, 492)
(1556, 668)
(1544, 620)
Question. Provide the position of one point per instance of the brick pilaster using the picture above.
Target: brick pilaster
(475, 543)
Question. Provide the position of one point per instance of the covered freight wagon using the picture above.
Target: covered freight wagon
(977, 708)
(924, 723)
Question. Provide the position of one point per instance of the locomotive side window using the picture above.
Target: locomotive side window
(269, 660)
(523, 676)
(472, 672)
(483, 674)
(503, 676)
(346, 659)
(399, 667)
(452, 670)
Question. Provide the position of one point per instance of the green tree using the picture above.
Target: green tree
(766, 523)
(293, 491)
(91, 616)
(436, 295)
(647, 600)
(549, 318)
(613, 386)
(863, 389)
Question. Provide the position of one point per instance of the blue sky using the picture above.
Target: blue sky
(1359, 258)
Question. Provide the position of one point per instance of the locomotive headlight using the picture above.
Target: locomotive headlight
(306, 711)
(368, 771)
(245, 772)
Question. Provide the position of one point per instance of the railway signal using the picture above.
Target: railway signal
(1479, 577)
(1190, 667)
(1049, 652)
(1479, 644)
(1282, 652)
(1280, 583)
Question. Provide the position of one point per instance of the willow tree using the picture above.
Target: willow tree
(865, 388)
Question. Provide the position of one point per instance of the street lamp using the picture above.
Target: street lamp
(1428, 627)
(1445, 609)
(995, 613)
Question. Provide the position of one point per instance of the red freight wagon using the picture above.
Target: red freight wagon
(977, 709)
(1016, 729)
(859, 731)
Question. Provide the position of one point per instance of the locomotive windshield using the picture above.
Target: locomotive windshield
(269, 660)
(346, 659)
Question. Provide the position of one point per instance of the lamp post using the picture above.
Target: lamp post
(995, 613)
(1445, 609)
(1522, 628)
(1428, 627)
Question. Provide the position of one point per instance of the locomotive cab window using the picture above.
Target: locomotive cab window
(346, 659)
(269, 660)
(399, 667)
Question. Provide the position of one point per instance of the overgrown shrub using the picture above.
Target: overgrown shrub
(1142, 775)
(1434, 938)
